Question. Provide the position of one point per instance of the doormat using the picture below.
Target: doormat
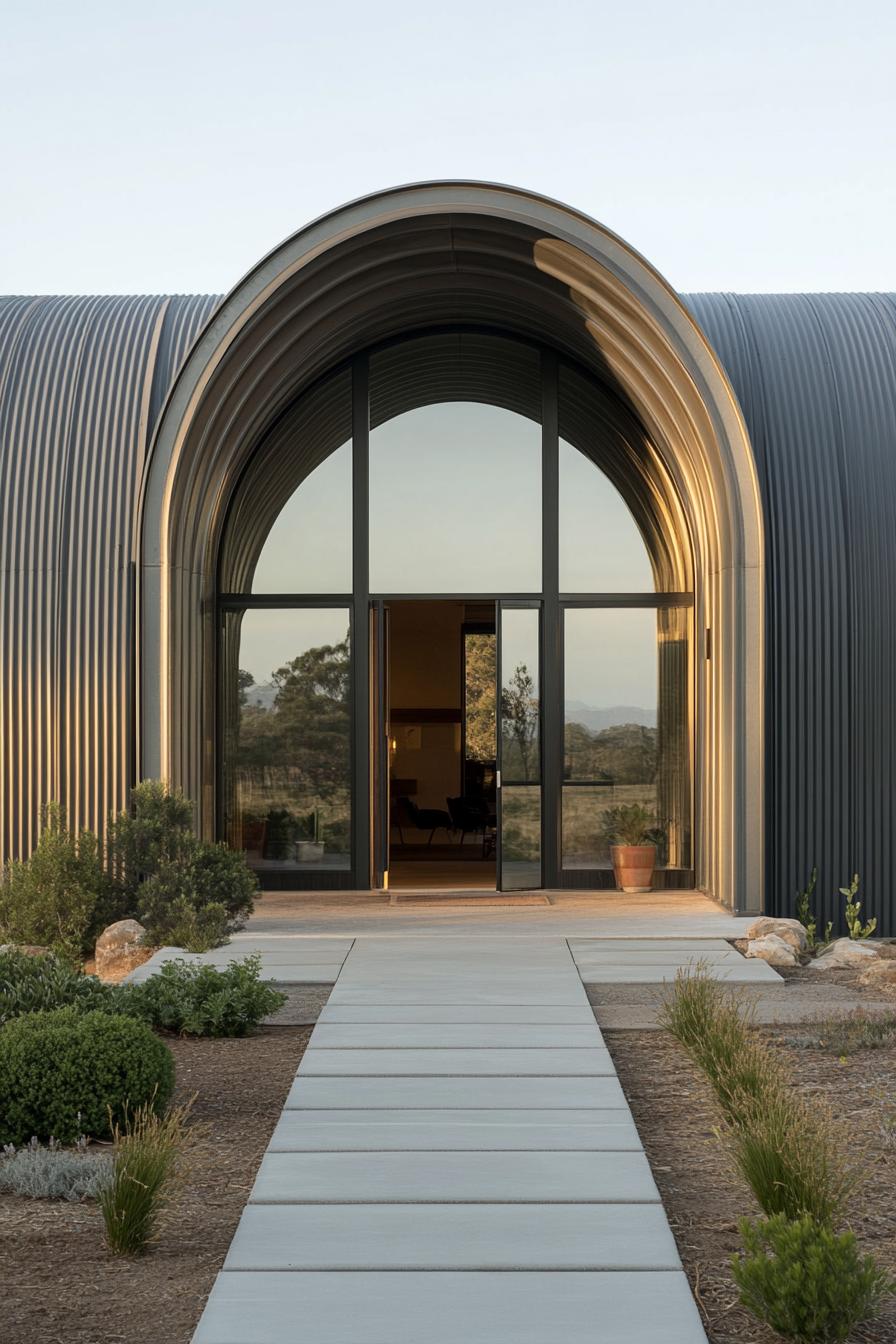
(498, 898)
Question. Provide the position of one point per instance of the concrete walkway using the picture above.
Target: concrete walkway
(455, 1164)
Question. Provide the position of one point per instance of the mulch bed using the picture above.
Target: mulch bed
(704, 1197)
(61, 1285)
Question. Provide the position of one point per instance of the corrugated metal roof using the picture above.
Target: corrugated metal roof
(83, 380)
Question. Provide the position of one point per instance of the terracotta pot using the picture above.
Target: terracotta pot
(633, 866)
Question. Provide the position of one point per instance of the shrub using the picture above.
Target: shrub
(202, 1001)
(805, 1281)
(852, 911)
(147, 1149)
(53, 1172)
(31, 984)
(807, 917)
(185, 892)
(631, 824)
(65, 1073)
(51, 898)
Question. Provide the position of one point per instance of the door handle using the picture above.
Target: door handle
(497, 779)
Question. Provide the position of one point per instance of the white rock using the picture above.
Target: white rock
(790, 930)
(773, 949)
(843, 954)
(118, 948)
(880, 975)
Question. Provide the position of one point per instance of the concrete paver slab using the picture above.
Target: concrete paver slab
(453, 1093)
(421, 1130)
(454, 1236)
(480, 1177)
(578, 1015)
(452, 1307)
(453, 1035)
(468, 1063)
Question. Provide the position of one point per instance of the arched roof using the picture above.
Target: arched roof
(82, 384)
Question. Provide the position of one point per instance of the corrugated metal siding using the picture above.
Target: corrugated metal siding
(82, 381)
(76, 387)
(816, 378)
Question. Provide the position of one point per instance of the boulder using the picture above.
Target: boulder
(880, 976)
(789, 930)
(773, 949)
(119, 949)
(844, 954)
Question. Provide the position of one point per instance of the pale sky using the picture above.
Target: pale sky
(165, 147)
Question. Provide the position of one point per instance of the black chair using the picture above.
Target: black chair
(470, 816)
(432, 819)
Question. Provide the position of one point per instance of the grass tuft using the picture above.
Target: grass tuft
(146, 1164)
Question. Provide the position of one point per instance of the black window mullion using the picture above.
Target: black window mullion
(551, 687)
(360, 624)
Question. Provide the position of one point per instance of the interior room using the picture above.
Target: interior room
(442, 744)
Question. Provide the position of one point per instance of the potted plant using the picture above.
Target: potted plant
(309, 846)
(632, 834)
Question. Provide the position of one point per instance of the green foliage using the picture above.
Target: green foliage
(198, 901)
(51, 899)
(184, 891)
(792, 1154)
(806, 1281)
(807, 918)
(39, 984)
(202, 1001)
(624, 753)
(53, 1172)
(630, 825)
(852, 911)
(480, 672)
(148, 1147)
(790, 1151)
(63, 1073)
(520, 711)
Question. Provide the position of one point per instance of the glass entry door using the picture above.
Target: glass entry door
(519, 746)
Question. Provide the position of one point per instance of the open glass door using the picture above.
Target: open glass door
(379, 746)
(519, 746)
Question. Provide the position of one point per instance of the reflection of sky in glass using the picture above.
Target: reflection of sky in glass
(611, 659)
(519, 643)
(309, 548)
(455, 501)
(601, 549)
(271, 639)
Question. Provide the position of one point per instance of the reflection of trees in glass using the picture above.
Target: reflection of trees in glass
(479, 695)
(293, 752)
(623, 754)
(519, 720)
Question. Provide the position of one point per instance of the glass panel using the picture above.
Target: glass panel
(520, 732)
(480, 717)
(521, 837)
(290, 527)
(626, 729)
(287, 736)
(602, 549)
(455, 467)
(309, 547)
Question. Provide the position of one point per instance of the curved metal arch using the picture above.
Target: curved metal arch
(447, 252)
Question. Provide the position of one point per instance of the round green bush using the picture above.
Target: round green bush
(63, 1072)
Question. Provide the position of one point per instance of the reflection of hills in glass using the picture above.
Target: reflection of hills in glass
(623, 753)
(610, 716)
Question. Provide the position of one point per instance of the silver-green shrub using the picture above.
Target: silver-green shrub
(50, 1171)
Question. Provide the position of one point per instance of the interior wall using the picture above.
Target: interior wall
(425, 674)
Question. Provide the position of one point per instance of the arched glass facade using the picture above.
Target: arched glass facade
(480, 472)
